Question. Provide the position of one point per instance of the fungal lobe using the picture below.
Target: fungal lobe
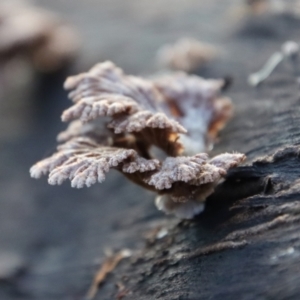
(117, 120)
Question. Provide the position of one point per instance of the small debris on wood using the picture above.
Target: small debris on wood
(156, 234)
(289, 50)
(107, 267)
(122, 291)
(284, 253)
(162, 233)
(257, 78)
(217, 247)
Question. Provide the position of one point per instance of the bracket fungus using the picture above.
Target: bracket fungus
(186, 54)
(36, 34)
(274, 7)
(117, 120)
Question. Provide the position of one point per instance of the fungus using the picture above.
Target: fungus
(36, 34)
(258, 6)
(187, 54)
(274, 7)
(116, 121)
(196, 104)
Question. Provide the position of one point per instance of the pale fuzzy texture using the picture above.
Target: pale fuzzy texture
(206, 177)
(133, 105)
(136, 105)
(75, 128)
(182, 210)
(37, 34)
(186, 197)
(143, 120)
(116, 119)
(186, 54)
(176, 169)
(95, 129)
(227, 160)
(107, 78)
(90, 108)
(85, 162)
(200, 109)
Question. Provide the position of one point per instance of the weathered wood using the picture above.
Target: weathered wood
(246, 245)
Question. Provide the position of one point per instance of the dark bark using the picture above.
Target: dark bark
(246, 245)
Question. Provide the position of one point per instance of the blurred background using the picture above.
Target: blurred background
(52, 239)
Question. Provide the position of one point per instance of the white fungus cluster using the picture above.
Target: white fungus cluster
(116, 121)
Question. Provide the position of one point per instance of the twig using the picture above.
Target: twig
(108, 266)
(289, 50)
(256, 78)
(122, 291)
